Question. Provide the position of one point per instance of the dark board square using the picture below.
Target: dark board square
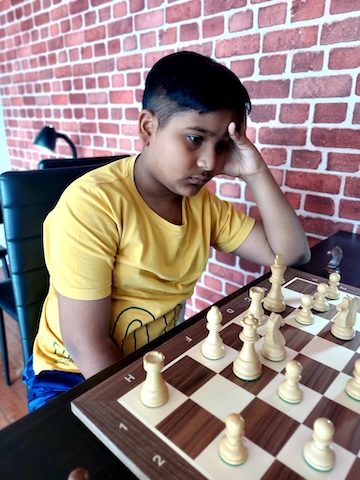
(191, 428)
(267, 427)
(352, 344)
(296, 339)
(315, 375)
(187, 375)
(346, 423)
(254, 386)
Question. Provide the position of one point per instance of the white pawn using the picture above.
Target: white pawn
(247, 365)
(257, 295)
(305, 315)
(353, 385)
(320, 304)
(289, 390)
(318, 451)
(232, 448)
(213, 347)
(333, 292)
(154, 391)
(274, 342)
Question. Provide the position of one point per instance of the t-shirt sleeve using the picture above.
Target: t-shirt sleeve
(230, 226)
(81, 239)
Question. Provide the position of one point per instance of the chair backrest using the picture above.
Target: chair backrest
(27, 197)
(77, 162)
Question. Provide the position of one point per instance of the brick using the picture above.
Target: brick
(119, 27)
(352, 187)
(294, 199)
(244, 45)
(184, 11)
(76, 98)
(243, 68)
(357, 87)
(225, 258)
(344, 58)
(342, 6)
(248, 266)
(330, 112)
(95, 34)
(149, 20)
(130, 43)
(99, 50)
(78, 6)
(130, 62)
(307, 10)
(213, 27)
(313, 182)
(107, 65)
(323, 87)
(262, 113)
(335, 138)
(307, 61)
(120, 9)
(347, 30)
(207, 294)
(268, 88)
(272, 64)
(108, 128)
(272, 15)
(319, 204)
(292, 39)
(305, 159)
(214, 6)
(349, 209)
(294, 113)
(230, 189)
(168, 36)
(148, 40)
(189, 31)
(213, 283)
(274, 156)
(136, 5)
(282, 136)
(97, 98)
(323, 227)
(356, 114)
(241, 21)
(343, 162)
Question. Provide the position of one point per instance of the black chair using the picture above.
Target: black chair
(26, 199)
(76, 162)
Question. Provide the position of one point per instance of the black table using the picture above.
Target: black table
(350, 265)
(51, 442)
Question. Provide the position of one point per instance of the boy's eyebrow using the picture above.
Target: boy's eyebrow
(207, 132)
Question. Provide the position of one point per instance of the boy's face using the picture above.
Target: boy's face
(188, 151)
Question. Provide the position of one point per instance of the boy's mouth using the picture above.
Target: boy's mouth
(199, 180)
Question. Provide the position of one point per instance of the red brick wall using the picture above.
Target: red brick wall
(81, 66)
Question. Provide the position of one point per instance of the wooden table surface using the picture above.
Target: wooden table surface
(51, 442)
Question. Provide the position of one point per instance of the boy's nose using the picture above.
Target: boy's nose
(207, 161)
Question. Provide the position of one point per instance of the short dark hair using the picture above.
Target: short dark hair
(190, 81)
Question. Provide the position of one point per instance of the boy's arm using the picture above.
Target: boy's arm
(280, 231)
(84, 328)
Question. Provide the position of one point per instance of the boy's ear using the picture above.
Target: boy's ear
(147, 125)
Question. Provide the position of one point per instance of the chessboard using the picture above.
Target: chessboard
(180, 439)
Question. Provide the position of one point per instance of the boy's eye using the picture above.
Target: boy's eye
(194, 139)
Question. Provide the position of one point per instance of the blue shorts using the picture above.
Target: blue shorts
(47, 385)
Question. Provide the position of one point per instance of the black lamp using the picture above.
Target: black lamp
(47, 136)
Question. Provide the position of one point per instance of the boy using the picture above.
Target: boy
(127, 242)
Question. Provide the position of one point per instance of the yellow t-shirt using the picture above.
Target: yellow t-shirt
(102, 239)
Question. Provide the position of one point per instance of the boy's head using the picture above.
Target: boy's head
(189, 81)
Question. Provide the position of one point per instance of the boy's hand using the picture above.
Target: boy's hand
(243, 158)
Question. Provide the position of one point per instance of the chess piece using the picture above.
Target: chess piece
(344, 321)
(353, 385)
(318, 451)
(274, 301)
(333, 292)
(274, 341)
(247, 365)
(257, 294)
(336, 256)
(154, 391)
(232, 448)
(289, 390)
(213, 346)
(320, 304)
(79, 474)
(305, 315)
